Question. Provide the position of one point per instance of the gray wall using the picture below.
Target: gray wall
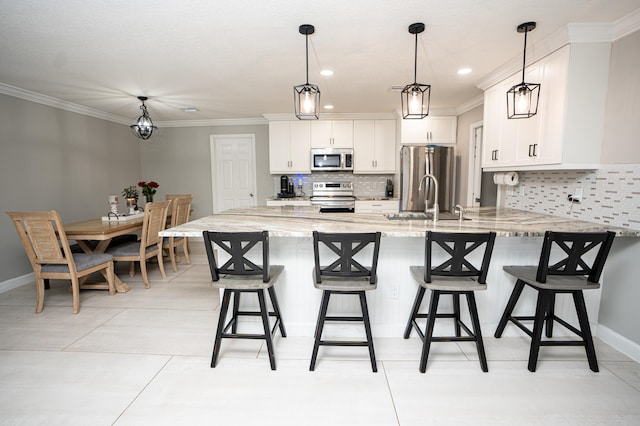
(621, 145)
(462, 152)
(57, 160)
(179, 160)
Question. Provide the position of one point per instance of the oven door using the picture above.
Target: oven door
(335, 204)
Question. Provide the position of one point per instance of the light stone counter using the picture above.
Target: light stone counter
(291, 221)
(290, 229)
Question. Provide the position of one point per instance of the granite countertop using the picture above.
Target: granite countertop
(289, 221)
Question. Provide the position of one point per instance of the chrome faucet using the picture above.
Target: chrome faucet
(435, 210)
(458, 209)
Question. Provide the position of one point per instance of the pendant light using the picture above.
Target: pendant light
(416, 96)
(143, 127)
(306, 97)
(522, 99)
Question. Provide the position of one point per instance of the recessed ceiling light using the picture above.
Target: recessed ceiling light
(463, 71)
(190, 109)
(326, 72)
(328, 107)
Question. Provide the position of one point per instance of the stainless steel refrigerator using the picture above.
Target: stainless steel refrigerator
(415, 162)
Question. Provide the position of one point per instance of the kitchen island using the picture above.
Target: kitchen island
(290, 228)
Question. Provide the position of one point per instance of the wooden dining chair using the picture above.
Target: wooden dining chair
(47, 247)
(180, 212)
(149, 245)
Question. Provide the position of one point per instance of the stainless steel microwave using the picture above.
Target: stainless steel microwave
(331, 159)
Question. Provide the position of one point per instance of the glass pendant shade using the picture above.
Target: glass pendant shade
(415, 100)
(307, 101)
(143, 128)
(415, 97)
(522, 99)
(306, 97)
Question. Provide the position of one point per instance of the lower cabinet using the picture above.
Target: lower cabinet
(377, 206)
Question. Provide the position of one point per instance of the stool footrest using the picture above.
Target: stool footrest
(342, 343)
(343, 318)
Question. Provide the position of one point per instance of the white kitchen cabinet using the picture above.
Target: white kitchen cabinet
(289, 147)
(439, 130)
(566, 133)
(377, 206)
(374, 146)
(332, 134)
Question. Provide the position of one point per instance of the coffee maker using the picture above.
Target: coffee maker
(286, 188)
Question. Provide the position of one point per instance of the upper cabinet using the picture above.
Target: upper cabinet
(567, 131)
(289, 147)
(332, 134)
(438, 130)
(374, 146)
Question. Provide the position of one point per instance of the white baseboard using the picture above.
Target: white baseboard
(621, 343)
(16, 282)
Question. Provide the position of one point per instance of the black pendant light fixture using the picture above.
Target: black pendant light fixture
(306, 97)
(143, 127)
(416, 96)
(522, 99)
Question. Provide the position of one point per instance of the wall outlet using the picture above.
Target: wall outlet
(577, 196)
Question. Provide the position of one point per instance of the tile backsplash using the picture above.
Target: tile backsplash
(363, 185)
(611, 194)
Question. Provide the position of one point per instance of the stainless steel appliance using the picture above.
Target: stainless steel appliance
(415, 163)
(331, 159)
(334, 197)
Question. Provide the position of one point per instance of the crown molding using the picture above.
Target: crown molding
(568, 34)
(470, 104)
(626, 25)
(212, 122)
(27, 95)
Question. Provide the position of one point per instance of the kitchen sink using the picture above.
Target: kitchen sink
(423, 216)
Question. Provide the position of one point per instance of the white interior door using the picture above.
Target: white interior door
(475, 165)
(233, 171)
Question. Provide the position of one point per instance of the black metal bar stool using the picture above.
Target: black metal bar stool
(240, 275)
(344, 274)
(571, 274)
(456, 276)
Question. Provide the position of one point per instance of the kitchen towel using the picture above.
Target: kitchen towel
(505, 178)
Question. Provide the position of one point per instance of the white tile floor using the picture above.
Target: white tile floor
(143, 358)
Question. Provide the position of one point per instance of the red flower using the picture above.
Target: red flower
(153, 184)
(141, 184)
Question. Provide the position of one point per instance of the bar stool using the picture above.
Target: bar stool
(456, 276)
(571, 274)
(343, 274)
(240, 275)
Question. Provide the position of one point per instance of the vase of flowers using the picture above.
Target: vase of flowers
(131, 195)
(148, 190)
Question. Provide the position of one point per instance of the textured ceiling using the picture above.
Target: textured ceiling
(240, 59)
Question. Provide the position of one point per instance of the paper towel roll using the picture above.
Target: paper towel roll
(505, 178)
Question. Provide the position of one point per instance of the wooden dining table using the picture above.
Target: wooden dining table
(102, 232)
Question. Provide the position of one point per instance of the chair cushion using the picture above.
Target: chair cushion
(343, 284)
(248, 282)
(129, 249)
(446, 283)
(554, 282)
(83, 261)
